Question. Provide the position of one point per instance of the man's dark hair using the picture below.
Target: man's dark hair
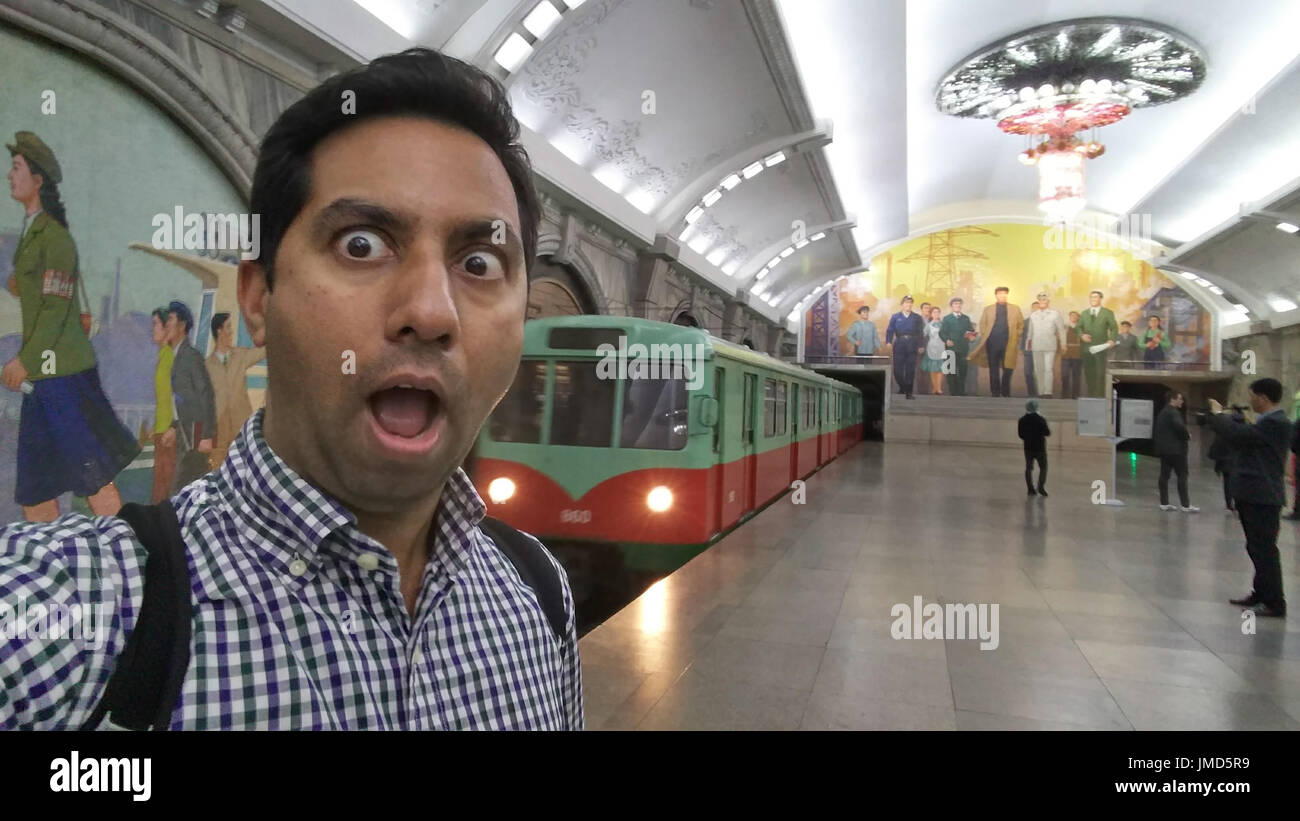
(418, 82)
(864, 308)
(1001, 289)
(955, 300)
(1098, 293)
(1171, 396)
(1126, 322)
(160, 314)
(219, 322)
(182, 312)
(1269, 388)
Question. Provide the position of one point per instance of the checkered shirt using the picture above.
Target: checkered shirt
(333, 647)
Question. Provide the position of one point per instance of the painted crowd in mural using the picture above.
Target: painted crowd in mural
(956, 279)
(127, 371)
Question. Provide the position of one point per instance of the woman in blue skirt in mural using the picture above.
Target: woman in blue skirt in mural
(69, 438)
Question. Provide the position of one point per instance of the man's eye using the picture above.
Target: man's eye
(363, 245)
(483, 265)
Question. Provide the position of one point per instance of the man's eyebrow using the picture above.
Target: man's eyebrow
(496, 231)
(351, 210)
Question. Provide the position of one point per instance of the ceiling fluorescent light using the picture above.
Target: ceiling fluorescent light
(1288, 227)
(712, 197)
(699, 245)
(1187, 275)
(513, 52)
(542, 19)
(1216, 290)
(762, 273)
(1242, 308)
(684, 234)
(1201, 281)
(730, 181)
(693, 214)
(817, 236)
(1281, 305)
(717, 256)
(774, 261)
(773, 159)
(787, 252)
(730, 268)
(801, 243)
(573, 4)
(642, 200)
(751, 171)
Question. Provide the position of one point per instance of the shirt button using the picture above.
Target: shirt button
(368, 561)
(297, 567)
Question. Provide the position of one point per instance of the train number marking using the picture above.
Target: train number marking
(575, 516)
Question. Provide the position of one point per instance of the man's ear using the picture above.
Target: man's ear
(254, 296)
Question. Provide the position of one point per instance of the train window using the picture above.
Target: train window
(583, 411)
(747, 406)
(519, 416)
(719, 396)
(775, 414)
(583, 339)
(654, 414)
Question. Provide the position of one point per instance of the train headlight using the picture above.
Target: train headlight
(659, 499)
(501, 489)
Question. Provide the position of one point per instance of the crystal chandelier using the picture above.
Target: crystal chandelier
(1055, 81)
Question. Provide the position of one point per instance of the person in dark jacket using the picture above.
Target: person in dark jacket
(1221, 454)
(1034, 431)
(1171, 439)
(196, 408)
(904, 336)
(1260, 452)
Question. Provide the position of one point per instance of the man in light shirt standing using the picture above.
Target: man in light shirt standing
(1046, 336)
(227, 366)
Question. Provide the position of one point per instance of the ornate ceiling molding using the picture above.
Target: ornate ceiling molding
(150, 67)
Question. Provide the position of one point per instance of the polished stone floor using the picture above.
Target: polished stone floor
(1110, 618)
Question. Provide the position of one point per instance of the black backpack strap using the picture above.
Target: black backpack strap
(535, 568)
(146, 683)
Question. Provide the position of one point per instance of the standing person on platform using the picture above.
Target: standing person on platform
(1127, 347)
(1033, 429)
(1044, 337)
(905, 327)
(1096, 327)
(957, 331)
(1259, 462)
(227, 367)
(932, 360)
(862, 334)
(1000, 327)
(1171, 439)
(1221, 454)
(1156, 342)
(1071, 363)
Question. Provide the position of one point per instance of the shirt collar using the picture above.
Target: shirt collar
(258, 481)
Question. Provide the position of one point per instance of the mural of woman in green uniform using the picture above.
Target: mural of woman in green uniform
(69, 439)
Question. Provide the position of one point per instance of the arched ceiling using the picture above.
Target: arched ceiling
(640, 108)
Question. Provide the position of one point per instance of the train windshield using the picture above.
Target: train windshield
(654, 414)
(519, 416)
(583, 414)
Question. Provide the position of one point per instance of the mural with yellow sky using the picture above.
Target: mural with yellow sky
(970, 261)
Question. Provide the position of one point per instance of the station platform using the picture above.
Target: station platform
(1109, 618)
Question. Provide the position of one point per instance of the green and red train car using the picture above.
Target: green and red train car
(662, 446)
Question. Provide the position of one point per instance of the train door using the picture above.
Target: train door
(749, 454)
(719, 437)
(794, 431)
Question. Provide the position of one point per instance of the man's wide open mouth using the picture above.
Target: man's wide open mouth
(407, 407)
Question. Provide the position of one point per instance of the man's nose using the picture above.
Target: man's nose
(424, 300)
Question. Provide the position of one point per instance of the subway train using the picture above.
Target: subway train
(655, 437)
